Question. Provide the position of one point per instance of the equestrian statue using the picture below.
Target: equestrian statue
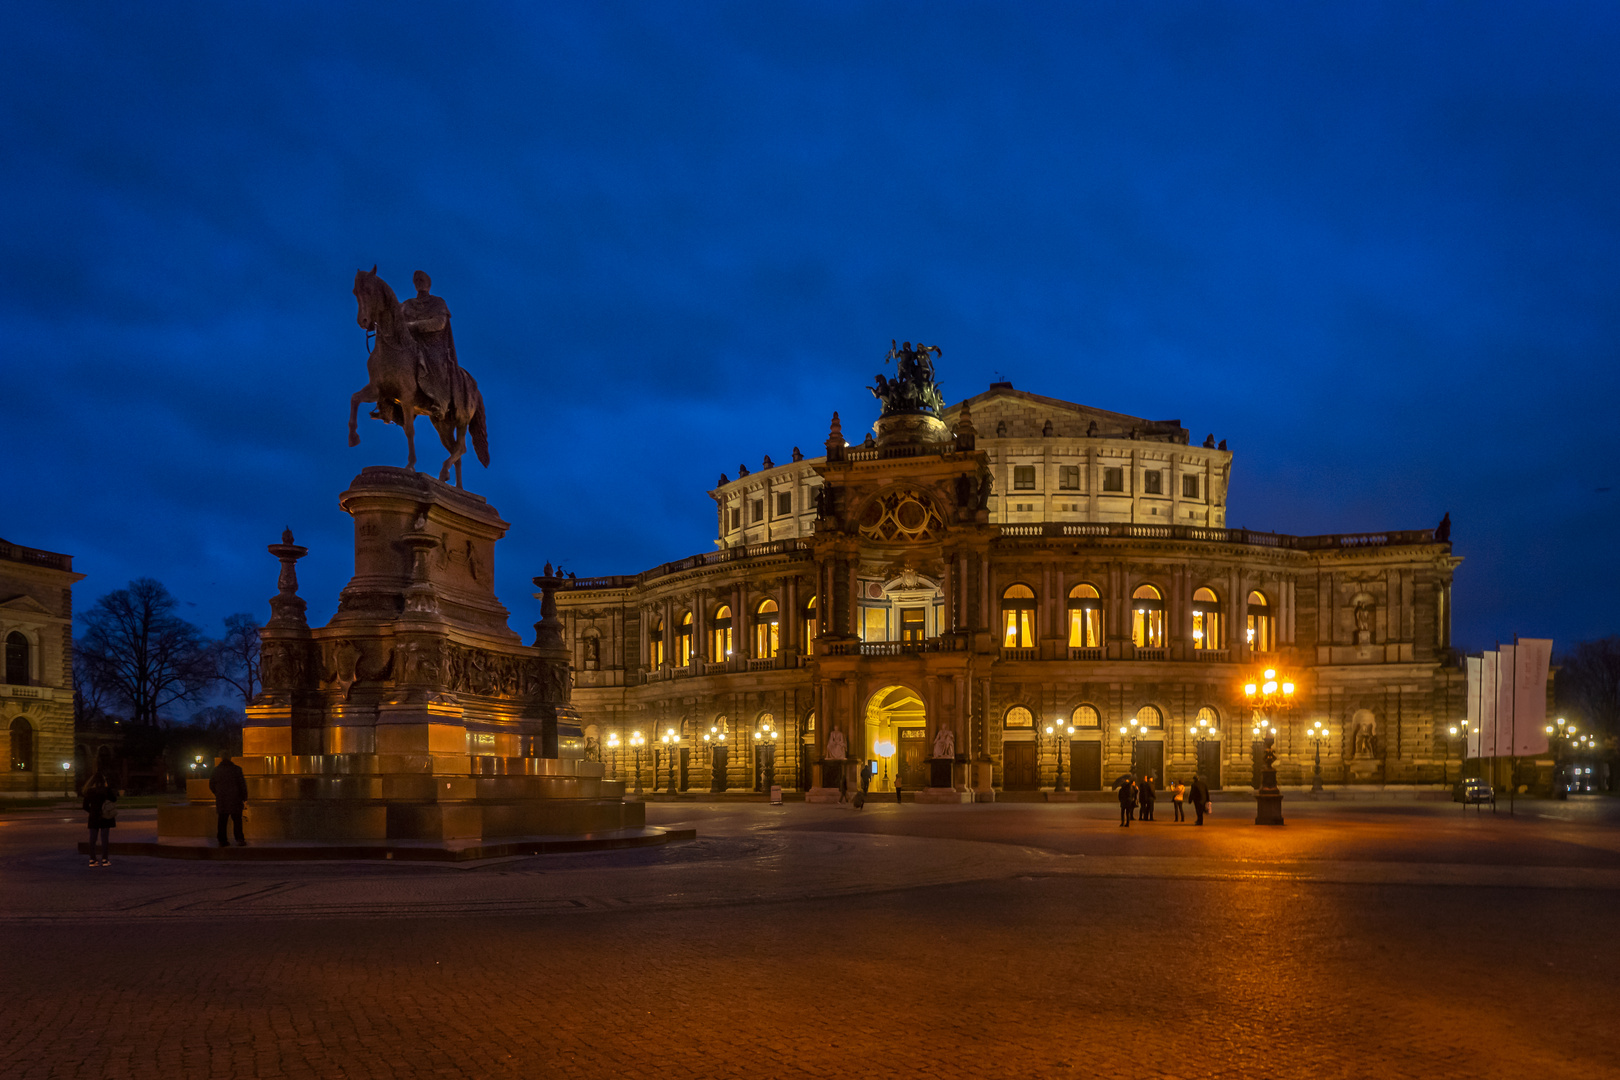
(413, 371)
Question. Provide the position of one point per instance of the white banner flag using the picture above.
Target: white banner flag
(1488, 669)
(1505, 671)
(1531, 659)
(1476, 694)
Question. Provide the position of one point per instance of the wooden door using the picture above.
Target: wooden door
(1150, 761)
(686, 763)
(1085, 766)
(1209, 764)
(717, 779)
(1018, 767)
(913, 759)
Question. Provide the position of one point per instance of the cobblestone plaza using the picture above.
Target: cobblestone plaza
(1402, 939)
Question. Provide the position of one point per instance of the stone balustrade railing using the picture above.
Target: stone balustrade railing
(36, 557)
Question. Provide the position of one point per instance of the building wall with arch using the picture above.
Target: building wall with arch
(36, 672)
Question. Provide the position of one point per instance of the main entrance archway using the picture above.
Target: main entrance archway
(896, 714)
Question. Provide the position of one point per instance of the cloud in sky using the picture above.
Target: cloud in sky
(1374, 246)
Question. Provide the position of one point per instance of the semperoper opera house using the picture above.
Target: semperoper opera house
(36, 693)
(995, 568)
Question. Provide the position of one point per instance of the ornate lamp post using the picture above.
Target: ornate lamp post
(1318, 733)
(1057, 731)
(1267, 696)
(765, 739)
(715, 739)
(1203, 733)
(885, 750)
(636, 742)
(1131, 731)
(1559, 736)
(613, 747)
(671, 741)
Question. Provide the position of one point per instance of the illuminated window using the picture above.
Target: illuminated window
(1085, 618)
(1189, 487)
(1147, 618)
(875, 623)
(16, 659)
(1207, 718)
(913, 624)
(22, 746)
(655, 644)
(1087, 716)
(1023, 478)
(811, 623)
(1149, 717)
(683, 641)
(1153, 482)
(1114, 479)
(1019, 717)
(720, 636)
(1018, 617)
(1262, 627)
(767, 633)
(1069, 477)
(1206, 620)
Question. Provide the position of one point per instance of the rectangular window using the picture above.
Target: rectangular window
(1113, 479)
(1153, 482)
(758, 507)
(1023, 478)
(874, 624)
(784, 504)
(1069, 477)
(913, 624)
(736, 518)
(1189, 487)
(1085, 628)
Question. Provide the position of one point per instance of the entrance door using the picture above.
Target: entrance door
(717, 781)
(1149, 761)
(686, 762)
(1209, 764)
(914, 758)
(1085, 766)
(1018, 767)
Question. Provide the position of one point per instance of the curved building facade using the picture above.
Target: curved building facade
(1021, 563)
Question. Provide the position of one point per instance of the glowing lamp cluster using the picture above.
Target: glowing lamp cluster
(714, 735)
(766, 733)
(1269, 687)
(884, 748)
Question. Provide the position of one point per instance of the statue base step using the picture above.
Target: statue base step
(943, 795)
(1268, 808)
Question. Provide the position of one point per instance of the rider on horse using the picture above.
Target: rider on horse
(428, 318)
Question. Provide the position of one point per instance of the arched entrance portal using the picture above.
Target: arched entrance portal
(896, 714)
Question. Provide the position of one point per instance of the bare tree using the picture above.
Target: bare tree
(236, 656)
(147, 656)
(1588, 682)
(91, 694)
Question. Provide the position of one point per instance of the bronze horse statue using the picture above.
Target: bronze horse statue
(394, 366)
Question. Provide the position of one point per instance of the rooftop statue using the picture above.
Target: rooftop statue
(913, 388)
(413, 371)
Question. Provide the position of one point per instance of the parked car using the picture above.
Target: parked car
(1472, 789)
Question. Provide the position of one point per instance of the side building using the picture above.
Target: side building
(1016, 564)
(36, 696)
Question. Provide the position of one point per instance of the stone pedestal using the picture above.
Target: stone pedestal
(824, 781)
(1268, 800)
(416, 714)
(946, 783)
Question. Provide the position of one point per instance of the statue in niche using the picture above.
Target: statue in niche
(1363, 734)
(987, 487)
(1364, 620)
(837, 750)
(945, 744)
(824, 503)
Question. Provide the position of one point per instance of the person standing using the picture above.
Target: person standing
(867, 772)
(101, 803)
(897, 789)
(230, 796)
(1200, 798)
(1148, 797)
(1178, 800)
(1127, 801)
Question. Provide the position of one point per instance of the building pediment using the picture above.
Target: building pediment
(22, 603)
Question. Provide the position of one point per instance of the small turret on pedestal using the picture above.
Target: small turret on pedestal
(287, 607)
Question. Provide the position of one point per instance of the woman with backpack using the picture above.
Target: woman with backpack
(101, 803)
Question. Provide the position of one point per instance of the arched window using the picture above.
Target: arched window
(1262, 627)
(810, 723)
(22, 746)
(1206, 620)
(1207, 720)
(720, 636)
(1019, 717)
(1086, 716)
(1085, 618)
(767, 631)
(811, 622)
(1018, 617)
(655, 644)
(1147, 618)
(17, 659)
(683, 641)
(1148, 716)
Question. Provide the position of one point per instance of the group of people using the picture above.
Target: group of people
(1137, 792)
(100, 802)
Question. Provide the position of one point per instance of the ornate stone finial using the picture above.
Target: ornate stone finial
(966, 434)
(835, 440)
(1046, 430)
(1209, 441)
(768, 463)
(724, 480)
(1222, 446)
(869, 442)
(548, 632)
(545, 573)
(287, 607)
(742, 470)
(797, 455)
(1091, 430)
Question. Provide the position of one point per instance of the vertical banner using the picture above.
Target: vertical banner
(1531, 659)
(1488, 669)
(1476, 693)
(1506, 719)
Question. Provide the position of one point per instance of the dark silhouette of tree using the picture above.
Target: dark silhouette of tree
(145, 655)
(1588, 683)
(236, 656)
(91, 694)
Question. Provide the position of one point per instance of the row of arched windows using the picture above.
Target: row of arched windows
(767, 640)
(1085, 628)
(1089, 718)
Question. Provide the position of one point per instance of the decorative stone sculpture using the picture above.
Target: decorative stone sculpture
(945, 744)
(836, 749)
(913, 388)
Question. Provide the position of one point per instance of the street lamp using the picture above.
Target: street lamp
(613, 748)
(1057, 731)
(765, 739)
(1318, 733)
(885, 750)
(1267, 695)
(1132, 731)
(636, 742)
(670, 741)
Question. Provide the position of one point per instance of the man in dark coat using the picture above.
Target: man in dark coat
(1127, 801)
(230, 795)
(1199, 793)
(1148, 795)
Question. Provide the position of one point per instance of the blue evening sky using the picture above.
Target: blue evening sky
(1375, 246)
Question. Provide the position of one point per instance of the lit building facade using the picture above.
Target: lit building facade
(36, 684)
(1006, 564)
